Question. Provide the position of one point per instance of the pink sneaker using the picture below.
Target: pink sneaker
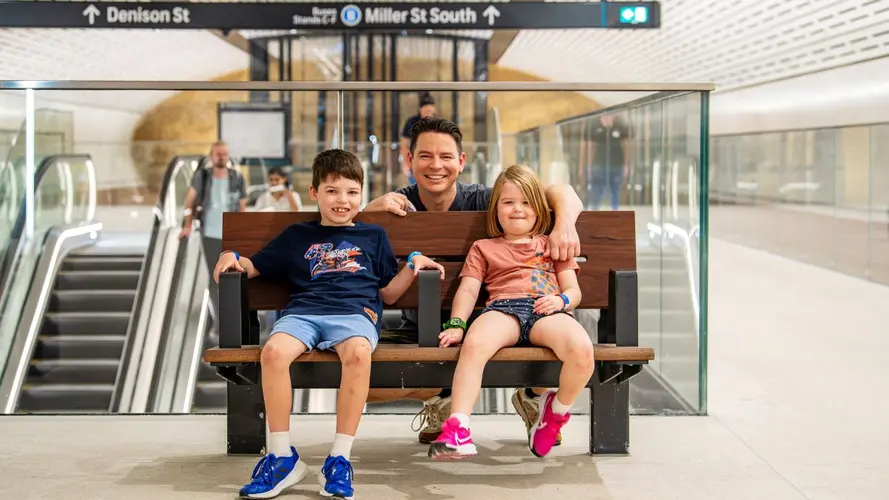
(545, 431)
(453, 443)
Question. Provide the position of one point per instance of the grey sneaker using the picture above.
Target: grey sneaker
(435, 411)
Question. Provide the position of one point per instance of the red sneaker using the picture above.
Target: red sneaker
(453, 443)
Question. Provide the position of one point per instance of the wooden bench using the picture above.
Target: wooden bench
(607, 279)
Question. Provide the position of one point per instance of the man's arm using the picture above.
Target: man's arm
(395, 202)
(188, 207)
(405, 149)
(564, 242)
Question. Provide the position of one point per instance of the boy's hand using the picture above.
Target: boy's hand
(548, 304)
(226, 262)
(451, 336)
(423, 262)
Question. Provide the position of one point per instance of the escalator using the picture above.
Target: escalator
(78, 352)
(210, 388)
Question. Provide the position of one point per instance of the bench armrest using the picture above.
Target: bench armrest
(234, 310)
(429, 310)
(622, 320)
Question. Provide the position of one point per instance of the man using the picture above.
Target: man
(437, 159)
(427, 109)
(605, 156)
(214, 190)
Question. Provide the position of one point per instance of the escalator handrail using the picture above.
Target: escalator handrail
(18, 227)
(142, 288)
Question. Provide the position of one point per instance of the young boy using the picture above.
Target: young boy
(340, 270)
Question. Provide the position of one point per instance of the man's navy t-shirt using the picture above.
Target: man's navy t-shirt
(332, 270)
(470, 197)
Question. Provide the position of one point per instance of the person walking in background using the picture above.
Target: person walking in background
(426, 109)
(215, 189)
(605, 158)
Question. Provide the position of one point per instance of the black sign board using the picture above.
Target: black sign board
(329, 16)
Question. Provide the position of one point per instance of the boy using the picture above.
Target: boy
(340, 271)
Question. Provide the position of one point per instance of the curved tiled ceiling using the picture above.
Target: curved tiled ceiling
(734, 44)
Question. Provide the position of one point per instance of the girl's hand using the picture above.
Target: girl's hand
(423, 262)
(549, 304)
(451, 336)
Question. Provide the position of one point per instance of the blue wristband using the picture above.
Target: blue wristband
(410, 259)
(237, 255)
(565, 298)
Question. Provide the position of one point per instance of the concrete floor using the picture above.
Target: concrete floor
(797, 411)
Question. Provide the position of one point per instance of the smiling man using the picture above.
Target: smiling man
(436, 158)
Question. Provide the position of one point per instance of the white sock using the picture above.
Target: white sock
(279, 444)
(558, 407)
(462, 418)
(342, 446)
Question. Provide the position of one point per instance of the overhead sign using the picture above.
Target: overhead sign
(329, 16)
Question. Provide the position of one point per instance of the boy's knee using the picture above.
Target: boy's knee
(355, 352)
(273, 357)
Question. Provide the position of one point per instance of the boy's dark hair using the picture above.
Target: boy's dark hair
(439, 126)
(337, 163)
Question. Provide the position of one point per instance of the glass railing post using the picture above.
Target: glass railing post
(30, 167)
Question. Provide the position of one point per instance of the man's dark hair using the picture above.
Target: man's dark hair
(438, 126)
(337, 163)
(426, 99)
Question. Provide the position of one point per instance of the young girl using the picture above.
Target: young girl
(530, 302)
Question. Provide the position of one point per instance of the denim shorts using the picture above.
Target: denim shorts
(325, 332)
(522, 310)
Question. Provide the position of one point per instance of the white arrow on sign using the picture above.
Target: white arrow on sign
(91, 12)
(491, 13)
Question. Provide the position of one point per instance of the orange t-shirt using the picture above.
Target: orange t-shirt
(515, 270)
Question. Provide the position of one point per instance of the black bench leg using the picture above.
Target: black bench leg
(245, 419)
(609, 417)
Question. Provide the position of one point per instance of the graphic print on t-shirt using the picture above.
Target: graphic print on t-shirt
(542, 282)
(323, 258)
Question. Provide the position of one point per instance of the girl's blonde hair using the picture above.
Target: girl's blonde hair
(529, 184)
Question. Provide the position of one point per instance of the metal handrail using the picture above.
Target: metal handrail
(358, 86)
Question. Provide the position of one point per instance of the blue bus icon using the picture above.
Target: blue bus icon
(350, 15)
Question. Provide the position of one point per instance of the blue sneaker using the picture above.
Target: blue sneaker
(273, 475)
(336, 478)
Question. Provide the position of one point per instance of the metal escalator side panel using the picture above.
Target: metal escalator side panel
(185, 328)
(196, 329)
(59, 242)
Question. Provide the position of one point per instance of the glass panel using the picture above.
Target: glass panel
(878, 209)
(652, 166)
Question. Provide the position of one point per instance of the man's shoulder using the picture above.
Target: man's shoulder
(473, 197)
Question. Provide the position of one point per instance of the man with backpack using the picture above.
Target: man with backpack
(215, 189)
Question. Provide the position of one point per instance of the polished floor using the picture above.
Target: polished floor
(796, 400)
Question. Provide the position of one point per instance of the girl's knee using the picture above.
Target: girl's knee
(582, 354)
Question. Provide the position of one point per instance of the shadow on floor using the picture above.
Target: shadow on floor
(401, 465)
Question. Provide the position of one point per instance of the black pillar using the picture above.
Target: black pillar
(480, 73)
(259, 68)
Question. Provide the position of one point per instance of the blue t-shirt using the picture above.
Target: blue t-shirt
(332, 270)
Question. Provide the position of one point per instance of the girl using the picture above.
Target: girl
(530, 302)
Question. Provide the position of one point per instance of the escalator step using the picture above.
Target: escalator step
(97, 280)
(69, 323)
(83, 397)
(102, 263)
(92, 300)
(72, 371)
(79, 347)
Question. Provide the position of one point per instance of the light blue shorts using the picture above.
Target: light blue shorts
(325, 332)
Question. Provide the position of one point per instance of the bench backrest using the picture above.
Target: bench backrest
(608, 241)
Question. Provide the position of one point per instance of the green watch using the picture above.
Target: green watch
(454, 323)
